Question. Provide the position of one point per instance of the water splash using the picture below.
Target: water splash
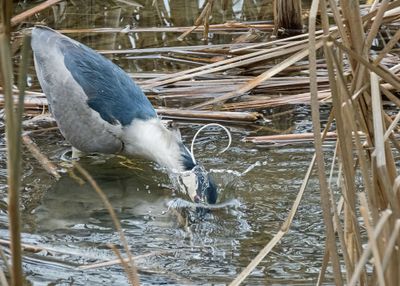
(179, 203)
(237, 173)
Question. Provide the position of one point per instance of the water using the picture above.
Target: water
(257, 188)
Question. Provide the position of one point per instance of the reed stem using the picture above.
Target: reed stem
(13, 136)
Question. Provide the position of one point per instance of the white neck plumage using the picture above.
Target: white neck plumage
(150, 138)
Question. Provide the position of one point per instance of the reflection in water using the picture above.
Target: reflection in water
(137, 193)
(131, 192)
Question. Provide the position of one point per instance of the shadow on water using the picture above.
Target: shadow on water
(133, 193)
(257, 185)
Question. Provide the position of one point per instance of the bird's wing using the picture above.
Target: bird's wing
(110, 91)
(91, 99)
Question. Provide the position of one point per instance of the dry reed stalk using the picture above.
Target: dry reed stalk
(385, 74)
(219, 66)
(351, 115)
(364, 209)
(386, 175)
(336, 222)
(286, 138)
(355, 32)
(392, 42)
(391, 250)
(214, 49)
(37, 248)
(6, 264)
(276, 42)
(324, 267)
(197, 23)
(29, 101)
(127, 265)
(345, 125)
(390, 95)
(287, 17)
(392, 126)
(118, 261)
(357, 108)
(273, 83)
(3, 279)
(339, 22)
(227, 27)
(259, 79)
(324, 189)
(374, 29)
(132, 273)
(350, 242)
(367, 251)
(26, 14)
(13, 133)
(304, 98)
(210, 115)
(337, 226)
(40, 157)
(39, 103)
(206, 23)
(131, 3)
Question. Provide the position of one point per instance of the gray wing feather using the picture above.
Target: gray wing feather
(82, 126)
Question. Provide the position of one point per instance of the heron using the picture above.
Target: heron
(100, 109)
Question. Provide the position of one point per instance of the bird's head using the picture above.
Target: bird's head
(199, 185)
(194, 180)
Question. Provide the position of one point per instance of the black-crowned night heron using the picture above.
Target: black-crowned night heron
(99, 109)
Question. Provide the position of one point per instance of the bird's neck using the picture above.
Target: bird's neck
(151, 139)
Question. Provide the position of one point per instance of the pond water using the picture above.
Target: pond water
(258, 183)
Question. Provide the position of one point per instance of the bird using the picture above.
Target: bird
(100, 109)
